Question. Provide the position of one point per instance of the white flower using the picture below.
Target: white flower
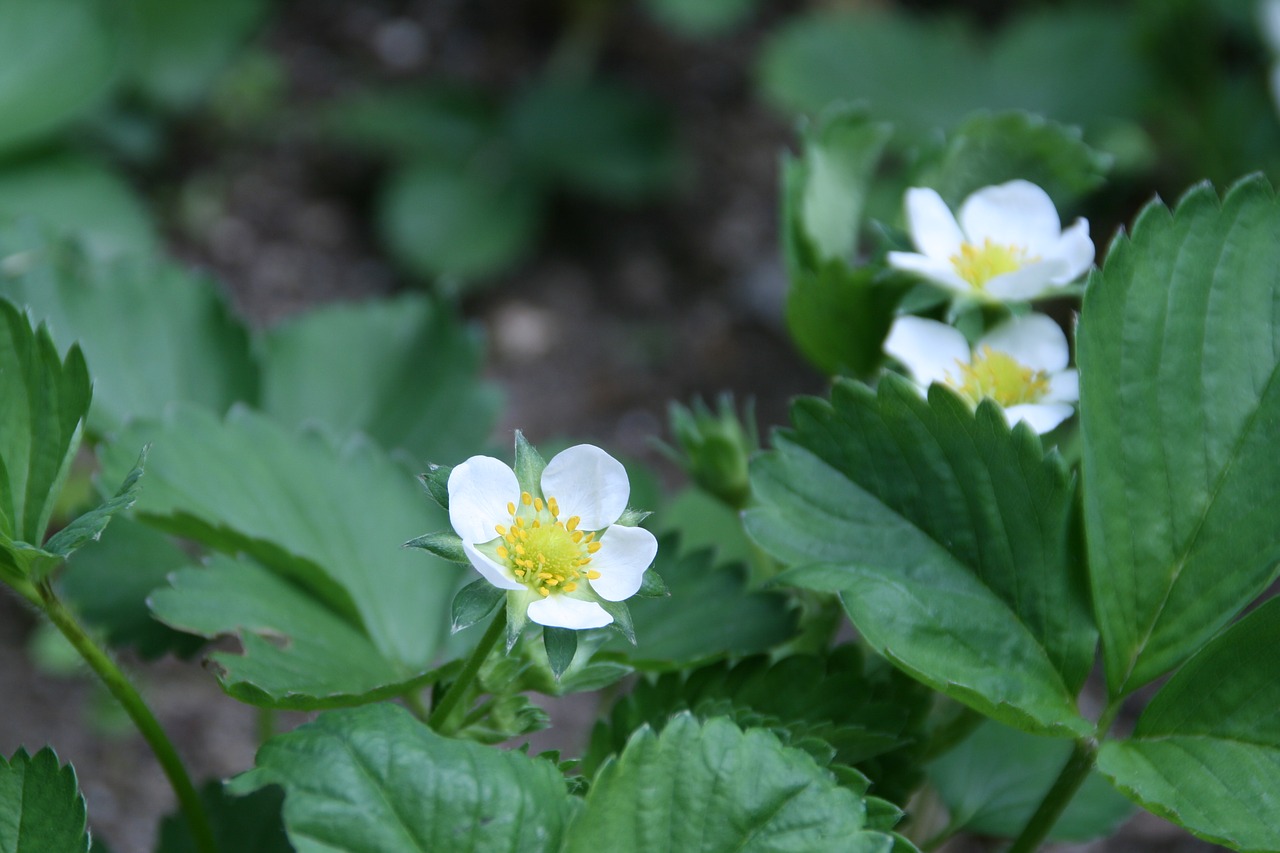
(1021, 365)
(1008, 245)
(554, 543)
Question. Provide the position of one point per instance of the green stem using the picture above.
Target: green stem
(413, 701)
(462, 684)
(1051, 807)
(127, 695)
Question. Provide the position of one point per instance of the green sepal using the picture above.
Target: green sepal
(436, 481)
(632, 517)
(529, 466)
(882, 814)
(474, 602)
(621, 618)
(443, 543)
(517, 615)
(653, 586)
(89, 526)
(561, 645)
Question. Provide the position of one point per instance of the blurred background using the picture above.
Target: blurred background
(590, 186)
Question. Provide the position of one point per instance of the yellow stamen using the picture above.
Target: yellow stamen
(979, 264)
(593, 547)
(511, 508)
(503, 552)
(593, 575)
(537, 504)
(1002, 378)
(526, 498)
(573, 522)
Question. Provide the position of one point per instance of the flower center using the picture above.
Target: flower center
(979, 264)
(1000, 377)
(543, 552)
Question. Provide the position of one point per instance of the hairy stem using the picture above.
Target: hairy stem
(127, 695)
(461, 686)
(1055, 802)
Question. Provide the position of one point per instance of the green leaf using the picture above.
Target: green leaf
(595, 137)
(703, 522)
(59, 59)
(445, 544)
(1205, 753)
(993, 782)
(377, 779)
(923, 74)
(107, 583)
(473, 602)
(710, 787)
(407, 374)
(839, 317)
(436, 481)
(993, 148)
(45, 398)
(41, 807)
(179, 47)
(438, 123)
(89, 526)
(949, 538)
(295, 652)
(154, 333)
(704, 19)
(330, 518)
(1179, 353)
(561, 645)
(709, 613)
(249, 824)
(75, 195)
(441, 220)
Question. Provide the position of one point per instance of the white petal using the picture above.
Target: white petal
(563, 611)
(625, 553)
(479, 491)
(1076, 251)
(1034, 341)
(928, 349)
(932, 226)
(940, 272)
(1064, 387)
(1041, 417)
(495, 573)
(1025, 284)
(589, 483)
(1018, 213)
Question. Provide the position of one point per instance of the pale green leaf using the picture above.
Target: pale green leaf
(406, 373)
(375, 778)
(154, 333)
(1179, 353)
(59, 58)
(1206, 751)
(949, 537)
(331, 518)
(41, 807)
(712, 787)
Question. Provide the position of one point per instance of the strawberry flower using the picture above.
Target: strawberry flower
(1007, 245)
(555, 544)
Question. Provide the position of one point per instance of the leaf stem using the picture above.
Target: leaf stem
(462, 684)
(1055, 802)
(127, 695)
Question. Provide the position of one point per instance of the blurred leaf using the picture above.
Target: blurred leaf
(839, 316)
(468, 222)
(377, 779)
(45, 397)
(1179, 349)
(993, 148)
(445, 125)
(993, 782)
(407, 372)
(74, 195)
(179, 47)
(329, 518)
(107, 583)
(710, 613)
(924, 74)
(948, 537)
(154, 333)
(864, 714)
(710, 787)
(295, 652)
(59, 58)
(42, 805)
(241, 824)
(704, 523)
(595, 137)
(1205, 753)
(704, 18)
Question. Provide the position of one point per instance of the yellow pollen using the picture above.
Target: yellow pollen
(573, 522)
(999, 377)
(503, 552)
(537, 504)
(577, 536)
(502, 531)
(543, 591)
(553, 506)
(570, 586)
(543, 552)
(526, 498)
(593, 575)
(511, 508)
(979, 264)
(593, 547)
